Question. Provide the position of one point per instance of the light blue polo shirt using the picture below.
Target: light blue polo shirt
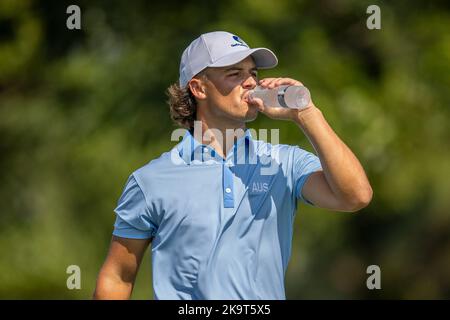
(221, 228)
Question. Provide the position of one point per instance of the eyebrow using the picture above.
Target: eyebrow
(238, 68)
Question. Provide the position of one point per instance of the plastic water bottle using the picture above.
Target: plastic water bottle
(294, 97)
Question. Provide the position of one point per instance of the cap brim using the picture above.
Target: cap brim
(263, 57)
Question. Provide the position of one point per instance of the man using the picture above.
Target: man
(219, 223)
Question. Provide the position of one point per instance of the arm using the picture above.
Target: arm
(343, 184)
(118, 273)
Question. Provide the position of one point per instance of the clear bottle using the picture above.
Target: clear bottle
(294, 97)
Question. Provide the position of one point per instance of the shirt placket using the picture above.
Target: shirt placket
(227, 186)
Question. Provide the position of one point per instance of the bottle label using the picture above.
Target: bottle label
(280, 96)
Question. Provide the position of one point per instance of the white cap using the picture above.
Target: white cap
(220, 49)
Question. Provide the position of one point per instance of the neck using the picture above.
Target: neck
(218, 135)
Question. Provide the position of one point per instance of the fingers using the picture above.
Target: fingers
(258, 102)
(279, 113)
(270, 83)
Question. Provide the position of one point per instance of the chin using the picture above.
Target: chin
(246, 113)
(251, 114)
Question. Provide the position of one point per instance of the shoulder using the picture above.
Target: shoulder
(153, 170)
(157, 171)
(156, 164)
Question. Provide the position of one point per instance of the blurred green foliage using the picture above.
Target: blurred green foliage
(81, 109)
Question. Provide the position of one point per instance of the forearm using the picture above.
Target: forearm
(342, 170)
(112, 287)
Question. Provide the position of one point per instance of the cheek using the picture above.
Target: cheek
(226, 97)
(231, 101)
(236, 94)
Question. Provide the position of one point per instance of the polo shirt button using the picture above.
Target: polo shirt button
(205, 149)
(227, 190)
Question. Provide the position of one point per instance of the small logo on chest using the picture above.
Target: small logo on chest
(259, 187)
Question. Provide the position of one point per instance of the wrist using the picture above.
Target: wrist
(307, 115)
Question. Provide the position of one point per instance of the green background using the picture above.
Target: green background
(81, 109)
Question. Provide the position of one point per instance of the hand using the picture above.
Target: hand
(278, 112)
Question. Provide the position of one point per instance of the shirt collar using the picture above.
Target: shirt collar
(191, 149)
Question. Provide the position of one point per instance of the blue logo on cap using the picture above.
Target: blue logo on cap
(239, 42)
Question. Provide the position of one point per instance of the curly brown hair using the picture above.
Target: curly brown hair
(183, 106)
(182, 103)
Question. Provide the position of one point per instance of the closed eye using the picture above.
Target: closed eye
(237, 74)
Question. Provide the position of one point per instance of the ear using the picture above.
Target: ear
(197, 88)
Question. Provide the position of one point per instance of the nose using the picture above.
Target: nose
(249, 83)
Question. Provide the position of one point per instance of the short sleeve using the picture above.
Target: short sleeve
(304, 164)
(133, 218)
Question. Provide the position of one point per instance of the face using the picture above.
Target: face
(226, 89)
